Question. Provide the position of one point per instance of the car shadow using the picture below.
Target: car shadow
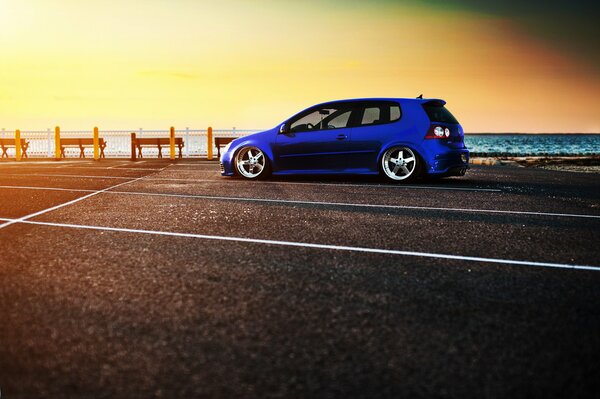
(453, 181)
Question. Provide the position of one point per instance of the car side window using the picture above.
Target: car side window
(395, 113)
(380, 112)
(328, 117)
(371, 115)
(339, 120)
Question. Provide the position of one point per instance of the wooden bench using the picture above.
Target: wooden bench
(222, 142)
(139, 143)
(82, 144)
(5, 144)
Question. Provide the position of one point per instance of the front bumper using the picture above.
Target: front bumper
(226, 164)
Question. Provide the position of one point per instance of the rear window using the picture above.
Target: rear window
(439, 113)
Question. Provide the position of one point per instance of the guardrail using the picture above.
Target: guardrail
(43, 143)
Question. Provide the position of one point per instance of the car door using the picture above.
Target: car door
(375, 124)
(316, 141)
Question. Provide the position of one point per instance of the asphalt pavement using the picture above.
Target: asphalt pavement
(163, 279)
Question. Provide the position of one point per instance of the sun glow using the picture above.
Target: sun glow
(235, 63)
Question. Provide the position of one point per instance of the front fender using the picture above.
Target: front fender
(266, 149)
(259, 140)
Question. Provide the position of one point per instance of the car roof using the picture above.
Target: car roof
(396, 99)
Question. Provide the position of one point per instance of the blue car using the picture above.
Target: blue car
(401, 139)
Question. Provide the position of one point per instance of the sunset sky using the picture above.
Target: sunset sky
(502, 66)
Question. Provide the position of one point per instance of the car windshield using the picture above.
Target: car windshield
(328, 117)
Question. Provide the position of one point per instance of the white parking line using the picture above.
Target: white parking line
(72, 176)
(404, 186)
(26, 217)
(316, 246)
(35, 163)
(322, 203)
(75, 190)
(197, 164)
(109, 167)
(118, 167)
(226, 181)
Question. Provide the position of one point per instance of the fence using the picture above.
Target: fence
(118, 142)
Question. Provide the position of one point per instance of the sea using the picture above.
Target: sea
(514, 144)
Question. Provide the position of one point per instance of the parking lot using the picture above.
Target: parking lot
(163, 279)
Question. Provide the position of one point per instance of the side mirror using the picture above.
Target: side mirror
(283, 128)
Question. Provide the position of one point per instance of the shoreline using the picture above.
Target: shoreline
(581, 164)
(531, 134)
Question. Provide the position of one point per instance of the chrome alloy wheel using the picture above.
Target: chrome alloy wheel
(250, 162)
(399, 163)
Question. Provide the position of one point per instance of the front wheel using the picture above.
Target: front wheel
(400, 164)
(251, 163)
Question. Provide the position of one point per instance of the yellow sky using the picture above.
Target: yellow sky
(153, 64)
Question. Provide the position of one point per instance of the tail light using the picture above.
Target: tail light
(437, 132)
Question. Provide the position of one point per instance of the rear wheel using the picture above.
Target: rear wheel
(251, 163)
(400, 164)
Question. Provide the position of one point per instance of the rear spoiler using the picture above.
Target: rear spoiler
(436, 102)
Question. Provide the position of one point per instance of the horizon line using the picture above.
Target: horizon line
(235, 129)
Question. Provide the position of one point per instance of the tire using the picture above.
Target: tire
(400, 164)
(251, 163)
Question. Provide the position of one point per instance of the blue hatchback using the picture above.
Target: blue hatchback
(400, 138)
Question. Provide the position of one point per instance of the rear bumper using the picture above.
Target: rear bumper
(448, 163)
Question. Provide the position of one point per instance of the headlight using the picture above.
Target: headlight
(224, 151)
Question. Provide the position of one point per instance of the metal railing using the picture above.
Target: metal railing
(118, 142)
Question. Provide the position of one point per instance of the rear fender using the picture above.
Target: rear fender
(416, 149)
(421, 165)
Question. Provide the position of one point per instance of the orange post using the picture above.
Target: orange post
(96, 145)
(172, 143)
(57, 143)
(18, 145)
(209, 144)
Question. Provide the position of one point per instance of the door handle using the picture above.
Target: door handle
(342, 137)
